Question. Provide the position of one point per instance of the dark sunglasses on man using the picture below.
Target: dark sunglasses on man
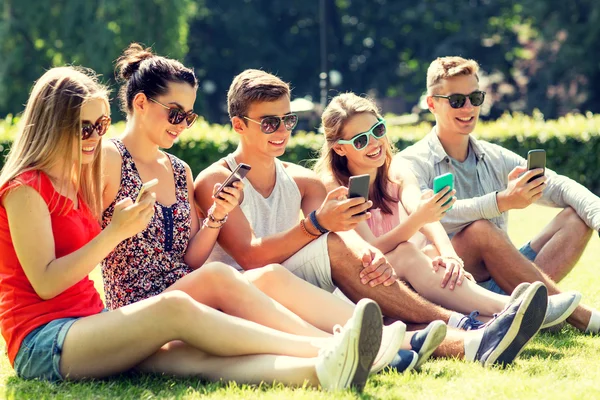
(177, 115)
(270, 124)
(458, 100)
(100, 126)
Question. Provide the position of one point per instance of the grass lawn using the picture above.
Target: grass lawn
(560, 366)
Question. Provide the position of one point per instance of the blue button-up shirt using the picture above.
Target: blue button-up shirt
(428, 159)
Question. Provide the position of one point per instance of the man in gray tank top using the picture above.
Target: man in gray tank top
(267, 228)
(491, 180)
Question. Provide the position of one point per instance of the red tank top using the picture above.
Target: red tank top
(21, 309)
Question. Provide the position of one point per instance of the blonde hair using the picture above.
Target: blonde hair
(448, 67)
(330, 164)
(50, 128)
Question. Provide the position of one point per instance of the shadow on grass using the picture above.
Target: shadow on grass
(136, 386)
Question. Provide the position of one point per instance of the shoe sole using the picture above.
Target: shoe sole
(432, 341)
(369, 342)
(525, 325)
(565, 314)
(413, 364)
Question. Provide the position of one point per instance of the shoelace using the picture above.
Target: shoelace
(471, 322)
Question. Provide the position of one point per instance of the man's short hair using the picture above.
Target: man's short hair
(448, 67)
(251, 86)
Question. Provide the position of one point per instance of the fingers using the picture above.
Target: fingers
(360, 207)
(371, 267)
(366, 258)
(337, 192)
(215, 188)
(523, 180)
(443, 193)
(447, 274)
(380, 275)
(427, 194)
(516, 172)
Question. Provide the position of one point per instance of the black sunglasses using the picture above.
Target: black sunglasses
(458, 100)
(270, 124)
(177, 115)
(100, 126)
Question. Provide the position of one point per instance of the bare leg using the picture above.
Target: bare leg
(312, 304)
(177, 358)
(138, 330)
(560, 244)
(396, 301)
(221, 287)
(413, 266)
(487, 251)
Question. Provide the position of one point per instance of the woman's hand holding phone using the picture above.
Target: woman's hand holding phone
(131, 218)
(433, 207)
(228, 198)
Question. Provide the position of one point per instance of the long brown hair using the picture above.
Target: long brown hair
(51, 126)
(338, 112)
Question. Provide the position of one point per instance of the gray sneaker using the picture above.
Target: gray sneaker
(505, 336)
(560, 306)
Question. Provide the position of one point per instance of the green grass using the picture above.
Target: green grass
(560, 366)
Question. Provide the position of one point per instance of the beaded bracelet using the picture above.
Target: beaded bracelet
(206, 225)
(313, 218)
(305, 231)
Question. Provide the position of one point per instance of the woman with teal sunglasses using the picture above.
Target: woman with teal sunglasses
(414, 243)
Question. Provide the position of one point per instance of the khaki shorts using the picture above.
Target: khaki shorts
(311, 263)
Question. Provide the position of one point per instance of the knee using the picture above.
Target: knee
(218, 274)
(268, 276)
(570, 218)
(175, 304)
(481, 231)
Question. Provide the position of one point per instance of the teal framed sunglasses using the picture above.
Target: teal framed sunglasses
(360, 141)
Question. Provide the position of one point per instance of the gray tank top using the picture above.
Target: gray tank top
(267, 216)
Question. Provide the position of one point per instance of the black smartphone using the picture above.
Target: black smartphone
(358, 186)
(536, 159)
(236, 175)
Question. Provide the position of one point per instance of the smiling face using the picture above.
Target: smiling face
(273, 144)
(373, 155)
(154, 117)
(455, 121)
(91, 111)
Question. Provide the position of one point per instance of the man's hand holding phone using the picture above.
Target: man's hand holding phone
(521, 190)
(339, 213)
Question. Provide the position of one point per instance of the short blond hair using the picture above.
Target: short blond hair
(448, 67)
(253, 85)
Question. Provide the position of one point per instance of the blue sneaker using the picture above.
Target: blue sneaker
(505, 336)
(470, 322)
(404, 361)
(425, 341)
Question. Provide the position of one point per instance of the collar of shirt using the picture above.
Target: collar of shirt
(439, 154)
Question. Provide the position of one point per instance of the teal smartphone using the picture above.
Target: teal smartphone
(440, 182)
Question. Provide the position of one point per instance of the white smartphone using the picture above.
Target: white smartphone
(146, 186)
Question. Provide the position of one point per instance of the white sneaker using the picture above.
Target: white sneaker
(347, 360)
(391, 341)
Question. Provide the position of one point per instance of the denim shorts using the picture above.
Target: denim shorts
(40, 351)
(491, 285)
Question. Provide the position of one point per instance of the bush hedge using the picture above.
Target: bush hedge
(572, 142)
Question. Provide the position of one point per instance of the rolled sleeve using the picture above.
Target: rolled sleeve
(467, 211)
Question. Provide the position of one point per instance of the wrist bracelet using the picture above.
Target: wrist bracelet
(313, 218)
(306, 232)
(217, 221)
(206, 225)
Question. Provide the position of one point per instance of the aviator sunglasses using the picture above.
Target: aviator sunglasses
(270, 124)
(100, 126)
(458, 100)
(360, 141)
(177, 115)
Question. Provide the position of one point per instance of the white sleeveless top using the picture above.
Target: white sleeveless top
(267, 216)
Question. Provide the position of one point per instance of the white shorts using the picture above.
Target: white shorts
(311, 263)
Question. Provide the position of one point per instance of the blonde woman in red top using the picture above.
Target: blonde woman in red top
(52, 317)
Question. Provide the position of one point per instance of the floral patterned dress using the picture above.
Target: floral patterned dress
(147, 263)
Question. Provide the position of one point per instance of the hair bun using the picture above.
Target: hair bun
(130, 61)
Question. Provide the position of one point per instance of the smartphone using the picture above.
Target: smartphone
(236, 175)
(536, 159)
(358, 186)
(440, 182)
(146, 186)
